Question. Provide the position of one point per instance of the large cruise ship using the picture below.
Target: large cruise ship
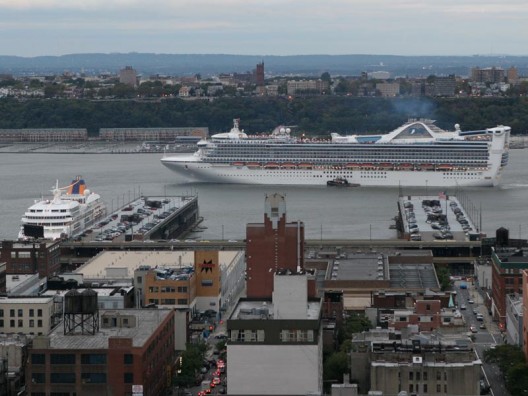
(416, 154)
(71, 211)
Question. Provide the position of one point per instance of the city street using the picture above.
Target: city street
(484, 338)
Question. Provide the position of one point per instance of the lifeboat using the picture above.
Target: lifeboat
(406, 166)
(238, 164)
(444, 167)
(353, 166)
(271, 165)
(288, 165)
(253, 165)
(305, 166)
(385, 165)
(427, 166)
(367, 166)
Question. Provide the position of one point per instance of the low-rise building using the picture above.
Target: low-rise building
(134, 349)
(389, 362)
(514, 319)
(31, 258)
(28, 315)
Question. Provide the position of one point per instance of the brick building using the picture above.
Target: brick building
(507, 265)
(133, 347)
(31, 258)
(272, 245)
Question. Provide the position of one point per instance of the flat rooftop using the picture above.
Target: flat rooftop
(413, 276)
(122, 264)
(101, 292)
(360, 266)
(148, 320)
(446, 207)
(256, 310)
(26, 300)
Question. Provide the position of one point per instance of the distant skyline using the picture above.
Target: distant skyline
(275, 27)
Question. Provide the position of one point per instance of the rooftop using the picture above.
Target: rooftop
(413, 276)
(148, 320)
(263, 309)
(363, 266)
(25, 300)
(122, 264)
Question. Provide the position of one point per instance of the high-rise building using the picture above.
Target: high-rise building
(128, 76)
(487, 74)
(259, 74)
(512, 75)
(271, 246)
(275, 344)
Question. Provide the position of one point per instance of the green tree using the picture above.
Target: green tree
(334, 367)
(192, 360)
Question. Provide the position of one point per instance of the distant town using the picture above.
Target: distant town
(128, 83)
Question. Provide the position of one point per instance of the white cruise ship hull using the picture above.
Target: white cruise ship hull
(415, 154)
(197, 171)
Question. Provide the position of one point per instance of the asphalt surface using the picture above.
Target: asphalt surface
(483, 338)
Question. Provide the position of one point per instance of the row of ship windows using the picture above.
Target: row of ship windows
(38, 218)
(52, 211)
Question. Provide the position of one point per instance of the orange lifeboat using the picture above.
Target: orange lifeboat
(238, 164)
(353, 166)
(444, 167)
(253, 165)
(406, 166)
(288, 165)
(305, 166)
(427, 166)
(271, 165)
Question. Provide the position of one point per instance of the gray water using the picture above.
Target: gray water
(356, 213)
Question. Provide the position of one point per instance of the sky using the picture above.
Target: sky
(273, 27)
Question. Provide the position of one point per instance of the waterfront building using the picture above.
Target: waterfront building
(31, 257)
(134, 350)
(306, 87)
(192, 134)
(275, 345)
(272, 245)
(36, 135)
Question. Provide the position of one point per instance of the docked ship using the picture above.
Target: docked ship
(417, 153)
(72, 210)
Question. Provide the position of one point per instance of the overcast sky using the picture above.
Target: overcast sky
(272, 27)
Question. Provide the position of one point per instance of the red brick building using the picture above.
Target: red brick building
(31, 258)
(506, 278)
(133, 347)
(272, 245)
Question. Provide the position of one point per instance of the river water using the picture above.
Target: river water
(355, 213)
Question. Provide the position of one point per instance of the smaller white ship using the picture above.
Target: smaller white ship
(71, 211)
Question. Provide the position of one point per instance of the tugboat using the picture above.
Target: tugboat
(341, 182)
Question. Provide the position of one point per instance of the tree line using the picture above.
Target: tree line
(312, 116)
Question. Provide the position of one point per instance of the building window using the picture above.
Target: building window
(20, 313)
(207, 282)
(425, 376)
(424, 388)
(153, 301)
(168, 301)
(182, 301)
(445, 388)
(139, 280)
(411, 376)
(20, 323)
(39, 324)
(418, 376)
(128, 378)
(31, 313)
(93, 358)
(428, 307)
(438, 376)
(39, 313)
(93, 378)
(31, 323)
(153, 289)
(128, 358)
(182, 289)
(445, 375)
(12, 323)
(411, 388)
(62, 358)
(38, 378)
(62, 378)
(438, 388)
(1, 313)
(12, 313)
(38, 358)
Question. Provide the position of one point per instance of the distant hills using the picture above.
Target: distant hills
(212, 64)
